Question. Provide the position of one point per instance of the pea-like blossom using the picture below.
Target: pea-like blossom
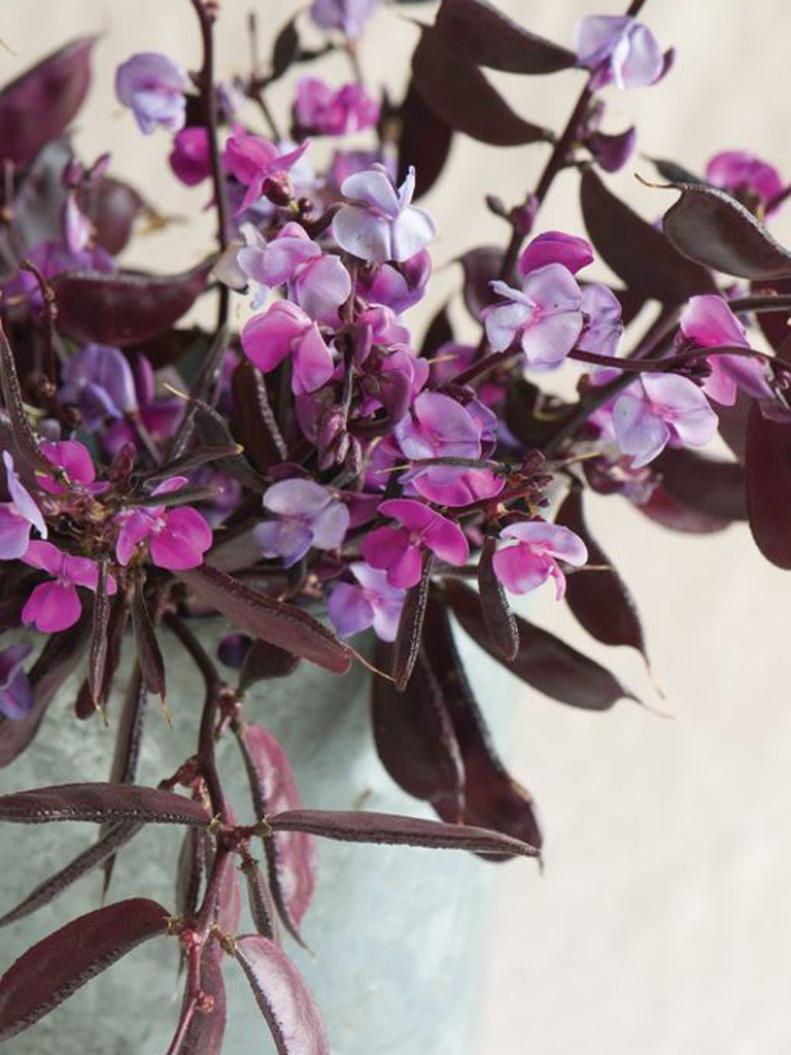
(75, 461)
(254, 160)
(324, 110)
(380, 223)
(661, 409)
(56, 605)
(617, 48)
(745, 175)
(285, 329)
(177, 537)
(16, 692)
(544, 317)
(153, 85)
(159, 415)
(603, 328)
(18, 516)
(305, 515)
(534, 558)
(349, 16)
(708, 322)
(556, 247)
(98, 380)
(78, 231)
(397, 286)
(399, 550)
(190, 158)
(371, 601)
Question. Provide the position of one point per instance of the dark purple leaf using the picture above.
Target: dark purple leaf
(212, 430)
(497, 614)
(733, 425)
(673, 172)
(357, 826)
(53, 969)
(439, 332)
(284, 50)
(284, 999)
(424, 141)
(264, 661)
(480, 267)
(485, 36)
(86, 706)
(125, 307)
(768, 478)
(100, 803)
(254, 423)
(456, 90)
(530, 413)
(39, 105)
(671, 513)
(269, 620)
(773, 324)
(410, 626)
(712, 228)
(204, 1035)
(706, 485)
(171, 346)
(113, 206)
(600, 600)
(635, 250)
(543, 660)
(149, 654)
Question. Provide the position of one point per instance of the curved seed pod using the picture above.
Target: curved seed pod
(99, 803)
(254, 421)
(206, 1030)
(410, 626)
(149, 655)
(112, 206)
(189, 872)
(259, 899)
(497, 614)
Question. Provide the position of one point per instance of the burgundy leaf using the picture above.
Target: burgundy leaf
(39, 105)
(712, 228)
(112, 207)
(99, 803)
(673, 172)
(259, 899)
(733, 425)
(773, 324)
(284, 50)
(424, 141)
(254, 423)
(53, 969)
(439, 332)
(357, 826)
(497, 614)
(672, 513)
(543, 660)
(264, 661)
(206, 1030)
(149, 654)
(284, 999)
(270, 620)
(480, 267)
(635, 250)
(706, 485)
(600, 600)
(531, 414)
(485, 36)
(456, 90)
(768, 477)
(410, 626)
(125, 307)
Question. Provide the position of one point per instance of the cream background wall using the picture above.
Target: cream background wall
(662, 924)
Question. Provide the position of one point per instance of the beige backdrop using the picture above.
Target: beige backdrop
(662, 923)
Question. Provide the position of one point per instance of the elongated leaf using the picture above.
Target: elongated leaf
(113, 206)
(456, 90)
(773, 324)
(480, 267)
(410, 626)
(357, 826)
(600, 600)
(53, 91)
(497, 614)
(424, 141)
(712, 228)
(53, 969)
(99, 803)
(149, 654)
(125, 307)
(284, 50)
(768, 478)
(206, 1030)
(543, 660)
(704, 484)
(268, 619)
(673, 172)
(485, 36)
(254, 422)
(672, 513)
(635, 250)
(284, 999)
(264, 661)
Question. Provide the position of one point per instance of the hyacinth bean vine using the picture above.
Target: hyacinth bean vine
(323, 472)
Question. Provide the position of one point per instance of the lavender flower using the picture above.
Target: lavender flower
(372, 601)
(153, 86)
(307, 514)
(617, 48)
(381, 224)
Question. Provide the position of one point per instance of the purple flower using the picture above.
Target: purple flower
(616, 48)
(744, 175)
(349, 16)
(16, 693)
(99, 382)
(556, 247)
(534, 559)
(54, 606)
(603, 327)
(177, 538)
(153, 86)
(346, 163)
(659, 409)
(708, 322)
(18, 516)
(75, 460)
(284, 330)
(381, 224)
(398, 287)
(190, 159)
(371, 602)
(232, 650)
(159, 415)
(399, 550)
(544, 317)
(612, 151)
(328, 111)
(254, 160)
(77, 228)
(307, 515)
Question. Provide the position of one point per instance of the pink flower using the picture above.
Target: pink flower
(307, 515)
(617, 48)
(18, 516)
(534, 558)
(76, 462)
(397, 287)
(177, 538)
(54, 606)
(743, 174)
(555, 247)
(253, 160)
(16, 692)
(77, 228)
(284, 330)
(399, 550)
(544, 317)
(708, 322)
(190, 159)
(659, 409)
(153, 86)
(371, 602)
(333, 112)
(381, 224)
(347, 15)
